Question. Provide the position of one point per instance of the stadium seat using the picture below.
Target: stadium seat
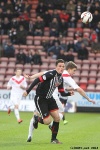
(29, 40)
(27, 66)
(12, 60)
(85, 67)
(37, 40)
(91, 88)
(76, 79)
(23, 47)
(92, 74)
(10, 71)
(97, 88)
(97, 56)
(91, 56)
(4, 38)
(35, 67)
(2, 76)
(3, 71)
(83, 80)
(19, 66)
(1, 84)
(77, 73)
(3, 59)
(94, 67)
(84, 73)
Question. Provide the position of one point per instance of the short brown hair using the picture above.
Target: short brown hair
(70, 65)
(59, 61)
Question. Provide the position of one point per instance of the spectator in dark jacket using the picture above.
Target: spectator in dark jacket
(36, 59)
(20, 57)
(82, 52)
(9, 50)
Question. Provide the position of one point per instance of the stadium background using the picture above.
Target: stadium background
(88, 73)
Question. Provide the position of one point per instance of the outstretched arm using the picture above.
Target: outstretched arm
(36, 81)
(34, 75)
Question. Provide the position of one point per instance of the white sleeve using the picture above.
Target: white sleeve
(25, 83)
(9, 84)
(69, 81)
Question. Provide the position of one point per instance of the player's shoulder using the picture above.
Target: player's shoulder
(51, 72)
(66, 74)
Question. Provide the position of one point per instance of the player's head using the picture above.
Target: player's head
(18, 71)
(71, 67)
(60, 66)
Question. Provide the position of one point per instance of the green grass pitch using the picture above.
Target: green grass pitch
(81, 132)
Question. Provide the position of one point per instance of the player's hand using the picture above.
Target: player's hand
(26, 76)
(25, 94)
(92, 101)
(71, 93)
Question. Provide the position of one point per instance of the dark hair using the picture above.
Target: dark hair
(70, 65)
(59, 61)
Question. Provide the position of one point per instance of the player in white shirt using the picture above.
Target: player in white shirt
(17, 84)
(71, 67)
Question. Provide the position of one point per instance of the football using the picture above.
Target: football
(86, 17)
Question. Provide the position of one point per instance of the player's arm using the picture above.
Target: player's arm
(73, 84)
(24, 85)
(62, 91)
(33, 76)
(46, 76)
(9, 84)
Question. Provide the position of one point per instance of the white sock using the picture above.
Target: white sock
(16, 111)
(30, 128)
(51, 123)
(61, 116)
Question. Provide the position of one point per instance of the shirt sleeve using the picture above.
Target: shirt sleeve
(69, 81)
(9, 84)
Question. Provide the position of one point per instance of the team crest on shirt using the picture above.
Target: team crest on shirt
(44, 77)
(58, 81)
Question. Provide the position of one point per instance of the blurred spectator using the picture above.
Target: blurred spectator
(78, 43)
(39, 24)
(56, 15)
(54, 24)
(1, 14)
(21, 35)
(27, 7)
(19, 6)
(72, 20)
(1, 27)
(96, 19)
(95, 46)
(9, 50)
(9, 5)
(38, 32)
(71, 45)
(64, 15)
(70, 7)
(8, 14)
(64, 45)
(2, 6)
(82, 52)
(29, 56)
(54, 51)
(13, 35)
(15, 23)
(69, 55)
(61, 55)
(24, 15)
(36, 58)
(63, 27)
(31, 27)
(6, 25)
(79, 9)
(47, 18)
(20, 57)
(93, 36)
(41, 8)
(97, 29)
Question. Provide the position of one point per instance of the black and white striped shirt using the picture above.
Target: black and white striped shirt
(47, 84)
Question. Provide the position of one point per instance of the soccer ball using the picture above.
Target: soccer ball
(86, 17)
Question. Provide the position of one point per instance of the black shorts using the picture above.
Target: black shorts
(45, 106)
(63, 101)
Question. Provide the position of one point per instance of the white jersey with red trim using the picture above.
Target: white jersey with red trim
(15, 83)
(68, 80)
